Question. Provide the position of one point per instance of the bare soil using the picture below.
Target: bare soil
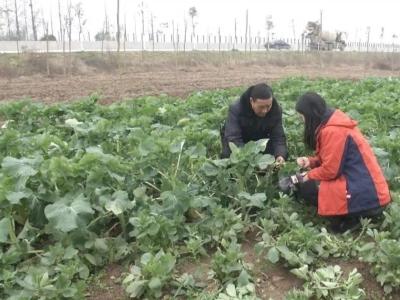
(164, 74)
(272, 281)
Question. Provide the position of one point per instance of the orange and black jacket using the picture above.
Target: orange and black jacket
(351, 179)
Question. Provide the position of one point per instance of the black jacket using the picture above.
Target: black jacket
(243, 125)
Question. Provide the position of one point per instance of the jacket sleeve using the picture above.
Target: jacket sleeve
(278, 138)
(232, 132)
(331, 147)
(314, 161)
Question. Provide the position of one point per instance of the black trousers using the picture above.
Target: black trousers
(308, 192)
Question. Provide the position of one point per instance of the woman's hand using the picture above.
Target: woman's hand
(303, 162)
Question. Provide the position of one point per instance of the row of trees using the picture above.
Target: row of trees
(22, 20)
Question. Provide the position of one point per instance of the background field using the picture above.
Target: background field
(114, 77)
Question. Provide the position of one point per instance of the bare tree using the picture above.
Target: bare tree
(152, 30)
(134, 29)
(34, 29)
(68, 25)
(118, 28)
(219, 39)
(51, 22)
(193, 13)
(293, 29)
(246, 31)
(79, 13)
(368, 33)
(62, 36)
(141, 8)
(184, 36)
(46, 31)
(236, 39)
(382, 34)
(269, 25)
(125, 33)
(250, 38)
(7, 12)
(16, 19)
(173, 34)
(1, 19)
(26, 31)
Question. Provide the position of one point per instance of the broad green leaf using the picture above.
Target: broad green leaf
(231, 290)
(119, 203)
(301, 272)
(264, 161)
(176, 147)
(155, 283)
(136, 288)
(209, 169)
(15, 197)
(244, 278)
(24, 167)
(273, 255)
(65, 215)
(5, 225)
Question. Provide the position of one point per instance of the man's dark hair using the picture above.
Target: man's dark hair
(261, 91)
(313, 107)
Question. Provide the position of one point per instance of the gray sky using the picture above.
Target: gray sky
(351, 16)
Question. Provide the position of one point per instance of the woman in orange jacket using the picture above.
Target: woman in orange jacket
(347, 179)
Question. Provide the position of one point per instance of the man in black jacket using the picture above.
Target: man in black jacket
(256, 115)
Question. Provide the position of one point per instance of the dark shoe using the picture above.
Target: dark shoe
(341, 225)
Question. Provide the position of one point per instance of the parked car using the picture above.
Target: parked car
(278, 44)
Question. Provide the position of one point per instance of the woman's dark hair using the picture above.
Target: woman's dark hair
(261, 91)
(313, 107)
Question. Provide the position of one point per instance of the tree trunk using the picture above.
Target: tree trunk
(219, 39)
(142, 39)
(184, 37)
(118, 28)
(62, 37)
(26, 23)
(7, 11)
(152, 30)
(235, 35)
(47, 50)
(247, 26)
(33, 21)
(16, 19)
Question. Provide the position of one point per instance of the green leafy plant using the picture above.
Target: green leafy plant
(328, 283)
(150, 276)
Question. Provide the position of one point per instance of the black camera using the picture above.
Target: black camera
(290, 184)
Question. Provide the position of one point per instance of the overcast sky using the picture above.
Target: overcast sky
(351, 16)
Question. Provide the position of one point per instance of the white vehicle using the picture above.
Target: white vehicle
(323, 40)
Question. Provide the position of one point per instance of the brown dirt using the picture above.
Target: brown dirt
(372, 288)
(272, 281)
(105, 287)
(175, 82)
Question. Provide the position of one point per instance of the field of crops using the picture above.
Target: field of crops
(139, 184)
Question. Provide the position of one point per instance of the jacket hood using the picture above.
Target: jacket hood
(339, 118)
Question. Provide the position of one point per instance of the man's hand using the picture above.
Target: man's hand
(279, 160)
(303, 162)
